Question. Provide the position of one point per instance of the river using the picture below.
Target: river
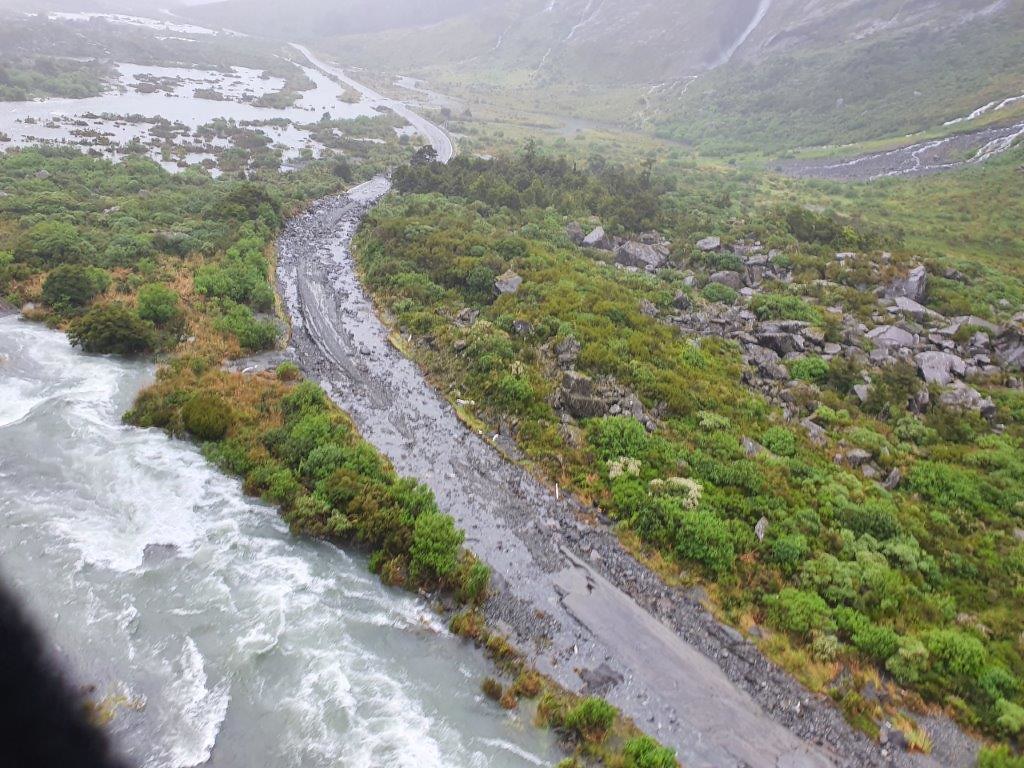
(212, 631)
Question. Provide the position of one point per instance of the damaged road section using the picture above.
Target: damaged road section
(567, 594)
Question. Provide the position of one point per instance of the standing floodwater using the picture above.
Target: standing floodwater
(213, 634)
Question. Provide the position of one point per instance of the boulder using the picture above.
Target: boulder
(892, 336)
(767, 362)
(567, 350)
(598, 239)
(1010, 351)
(42, 174)
(815, 432)
(578, 396)
(467, 316)
(508, 283)
(962, 397)
(575, 232)
(681, 301)
(857, 457)
(733, 280)
(940, 367)
(781, 342)
(709, 244)
(914, 286)
(647, 308)
(522, 327)
(917, 311)
(640, 255)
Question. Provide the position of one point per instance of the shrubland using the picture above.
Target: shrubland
(919, 583)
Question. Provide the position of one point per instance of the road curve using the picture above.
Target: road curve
(437, 137)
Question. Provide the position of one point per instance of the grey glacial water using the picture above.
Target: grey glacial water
(225, 639)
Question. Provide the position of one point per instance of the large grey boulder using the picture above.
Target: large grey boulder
(567, 350)
(962, 397)
(709, 244)
(579, 396)
(892, 336)
(733, 280)
(767, 362)
(940, 368)
(598, 239)
(508, 283)
(781, 342)
(913, 286)
(915, 310)
(640, 255)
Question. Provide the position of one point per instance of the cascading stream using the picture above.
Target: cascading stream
(205, 626)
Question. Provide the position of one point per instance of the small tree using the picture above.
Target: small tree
(158, 304)
(72, 285)
(436, 543)
(112, 328)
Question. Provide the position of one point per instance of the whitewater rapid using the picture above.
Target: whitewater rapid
(199, 620)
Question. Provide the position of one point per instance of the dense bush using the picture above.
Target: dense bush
(51, 243)
(716, 292)
(207, 416)
(704, 538)
(802, 613)
(112, 328)
(436, 544)
(645, 752)
(252, 334)
(74, 285)
(591, 719)
(777, 306)
(158, 304)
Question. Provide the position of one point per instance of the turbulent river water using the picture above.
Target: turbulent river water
(212, 631)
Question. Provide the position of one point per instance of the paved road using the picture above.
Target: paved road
(440, 140)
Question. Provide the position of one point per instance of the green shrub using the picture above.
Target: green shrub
(158, 304)
(112, 328)
(909, 662)
(789, 551)
(955, 654)
(1010, 717)
(306, 396)
(52, 242)
(591, 719)
(704, 538)
(252, 334)
(777, 306)
(811, 368)
(288, 371)
(880, 643)
(74, 285)
(207, 416)
(716, 292)
(999, 757)
(436, 544)
(475, 583)
(802, 613)
(779, 440)
(645, 752)
(616, 436)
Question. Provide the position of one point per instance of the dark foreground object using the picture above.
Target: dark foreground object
(42, 719)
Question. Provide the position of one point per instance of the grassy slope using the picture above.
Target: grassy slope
(960, 556)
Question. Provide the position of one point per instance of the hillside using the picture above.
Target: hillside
(735, 76)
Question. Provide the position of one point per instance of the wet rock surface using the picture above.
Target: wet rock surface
(587, 612)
